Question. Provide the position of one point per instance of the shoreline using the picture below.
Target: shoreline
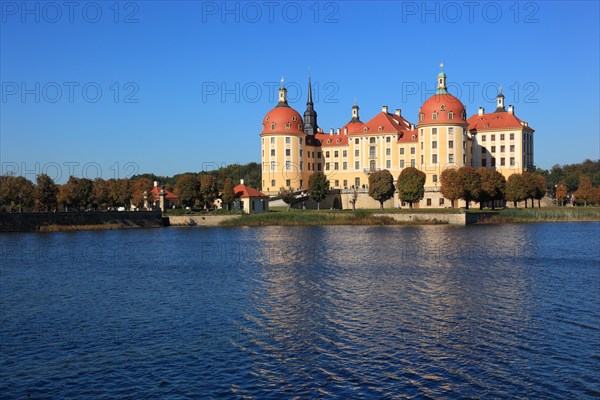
(89, 222)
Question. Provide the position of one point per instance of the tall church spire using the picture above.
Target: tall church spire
(310, 115)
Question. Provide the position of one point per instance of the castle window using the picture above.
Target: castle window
(434, 158)
(287, 126)
(355, 141)
(451, 158)
(287, 152)
(318, 154)
(502, 149)
(336, 154)
(328, 141)
(388, 139)
(434, 178)
(412, 163)
(413, 137)
(512, 148)
(388, 164)
(344, 153)
(434, 116)
(336, 166)
(288, 183)
(372, 140)
(421, 117)
(337, 140)
(483, 138)
(401, 151)
(288, 165)
(272, 140)
(326, 166)
(356, 165)
(344, 165)
(512, 161)
(273, 126)
(293, 119)
(299, 127)
(366, 129)
(450, 144)
(428, 202)
(388, 152)
(356, 153)
(502, 136)
(483, 162)
(272, 152)
(450, 131)
(450, 115)
(380, 128)
(434, 131)
(512, 136)
(287, 140)
(326, 154)
(268, 119)
(300, 139)
(434, 144)
(273, 183)
(412, 150)
(442, 201)
(443, 107)
(401, 163)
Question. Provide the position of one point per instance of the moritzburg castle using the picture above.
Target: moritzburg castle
(294, 147)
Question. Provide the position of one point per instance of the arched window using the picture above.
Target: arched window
(443, 107)
(273, 126)
(293, 119)
(450, 115)
(366, 129)
(434, 116)
(287, 126)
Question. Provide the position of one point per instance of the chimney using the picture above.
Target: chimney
(241, 181)
(337, 132)
(155, 183)
(481, 111)
(384, 109)
(398, 112)
(331, 131)
(511, 109)
(345, 131)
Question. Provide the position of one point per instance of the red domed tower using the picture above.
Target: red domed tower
(443, 135)
(282, 144)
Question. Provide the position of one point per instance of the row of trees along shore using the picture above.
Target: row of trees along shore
(194, 190)
(578, 183)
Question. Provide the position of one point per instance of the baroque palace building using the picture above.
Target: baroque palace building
(293, 148)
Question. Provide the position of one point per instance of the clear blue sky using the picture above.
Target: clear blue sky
(185, 85)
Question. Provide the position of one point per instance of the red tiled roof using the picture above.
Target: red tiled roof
(435, 103)
(170, 196)
(332, 140)
(389, 123)
(407, 136)
(247, 191)
(280, 116)
(496, 121)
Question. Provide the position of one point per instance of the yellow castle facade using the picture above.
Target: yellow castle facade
(294, 147)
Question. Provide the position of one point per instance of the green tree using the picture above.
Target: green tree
(318, 187)
(45, 192)
(470, 184)
(585, 191)
(516, 189)
(411, 185)
(493, 186)
(120, 193)
(381, 186)
(540, 188)
(16, 192)
(228, 196)
(208, 190)
(187, 187)
(287, 195)
(450, 185)
(100, 193)
(561, 193)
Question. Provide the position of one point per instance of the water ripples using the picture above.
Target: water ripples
(510, 311)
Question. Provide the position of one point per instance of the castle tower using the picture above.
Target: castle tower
(500, 101)
(310, 115)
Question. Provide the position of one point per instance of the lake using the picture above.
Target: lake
(483, 311)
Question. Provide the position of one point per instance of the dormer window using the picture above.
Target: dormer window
(380, 128)
(450, 115)
(299, 127)
(273, 126)
(421, 117)
(366, 129)
(443, 107)
(268, 119)
(328, 141)
(337, 141)
(293, 119)
(413, 137)
(287, 126)
(434, 116)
